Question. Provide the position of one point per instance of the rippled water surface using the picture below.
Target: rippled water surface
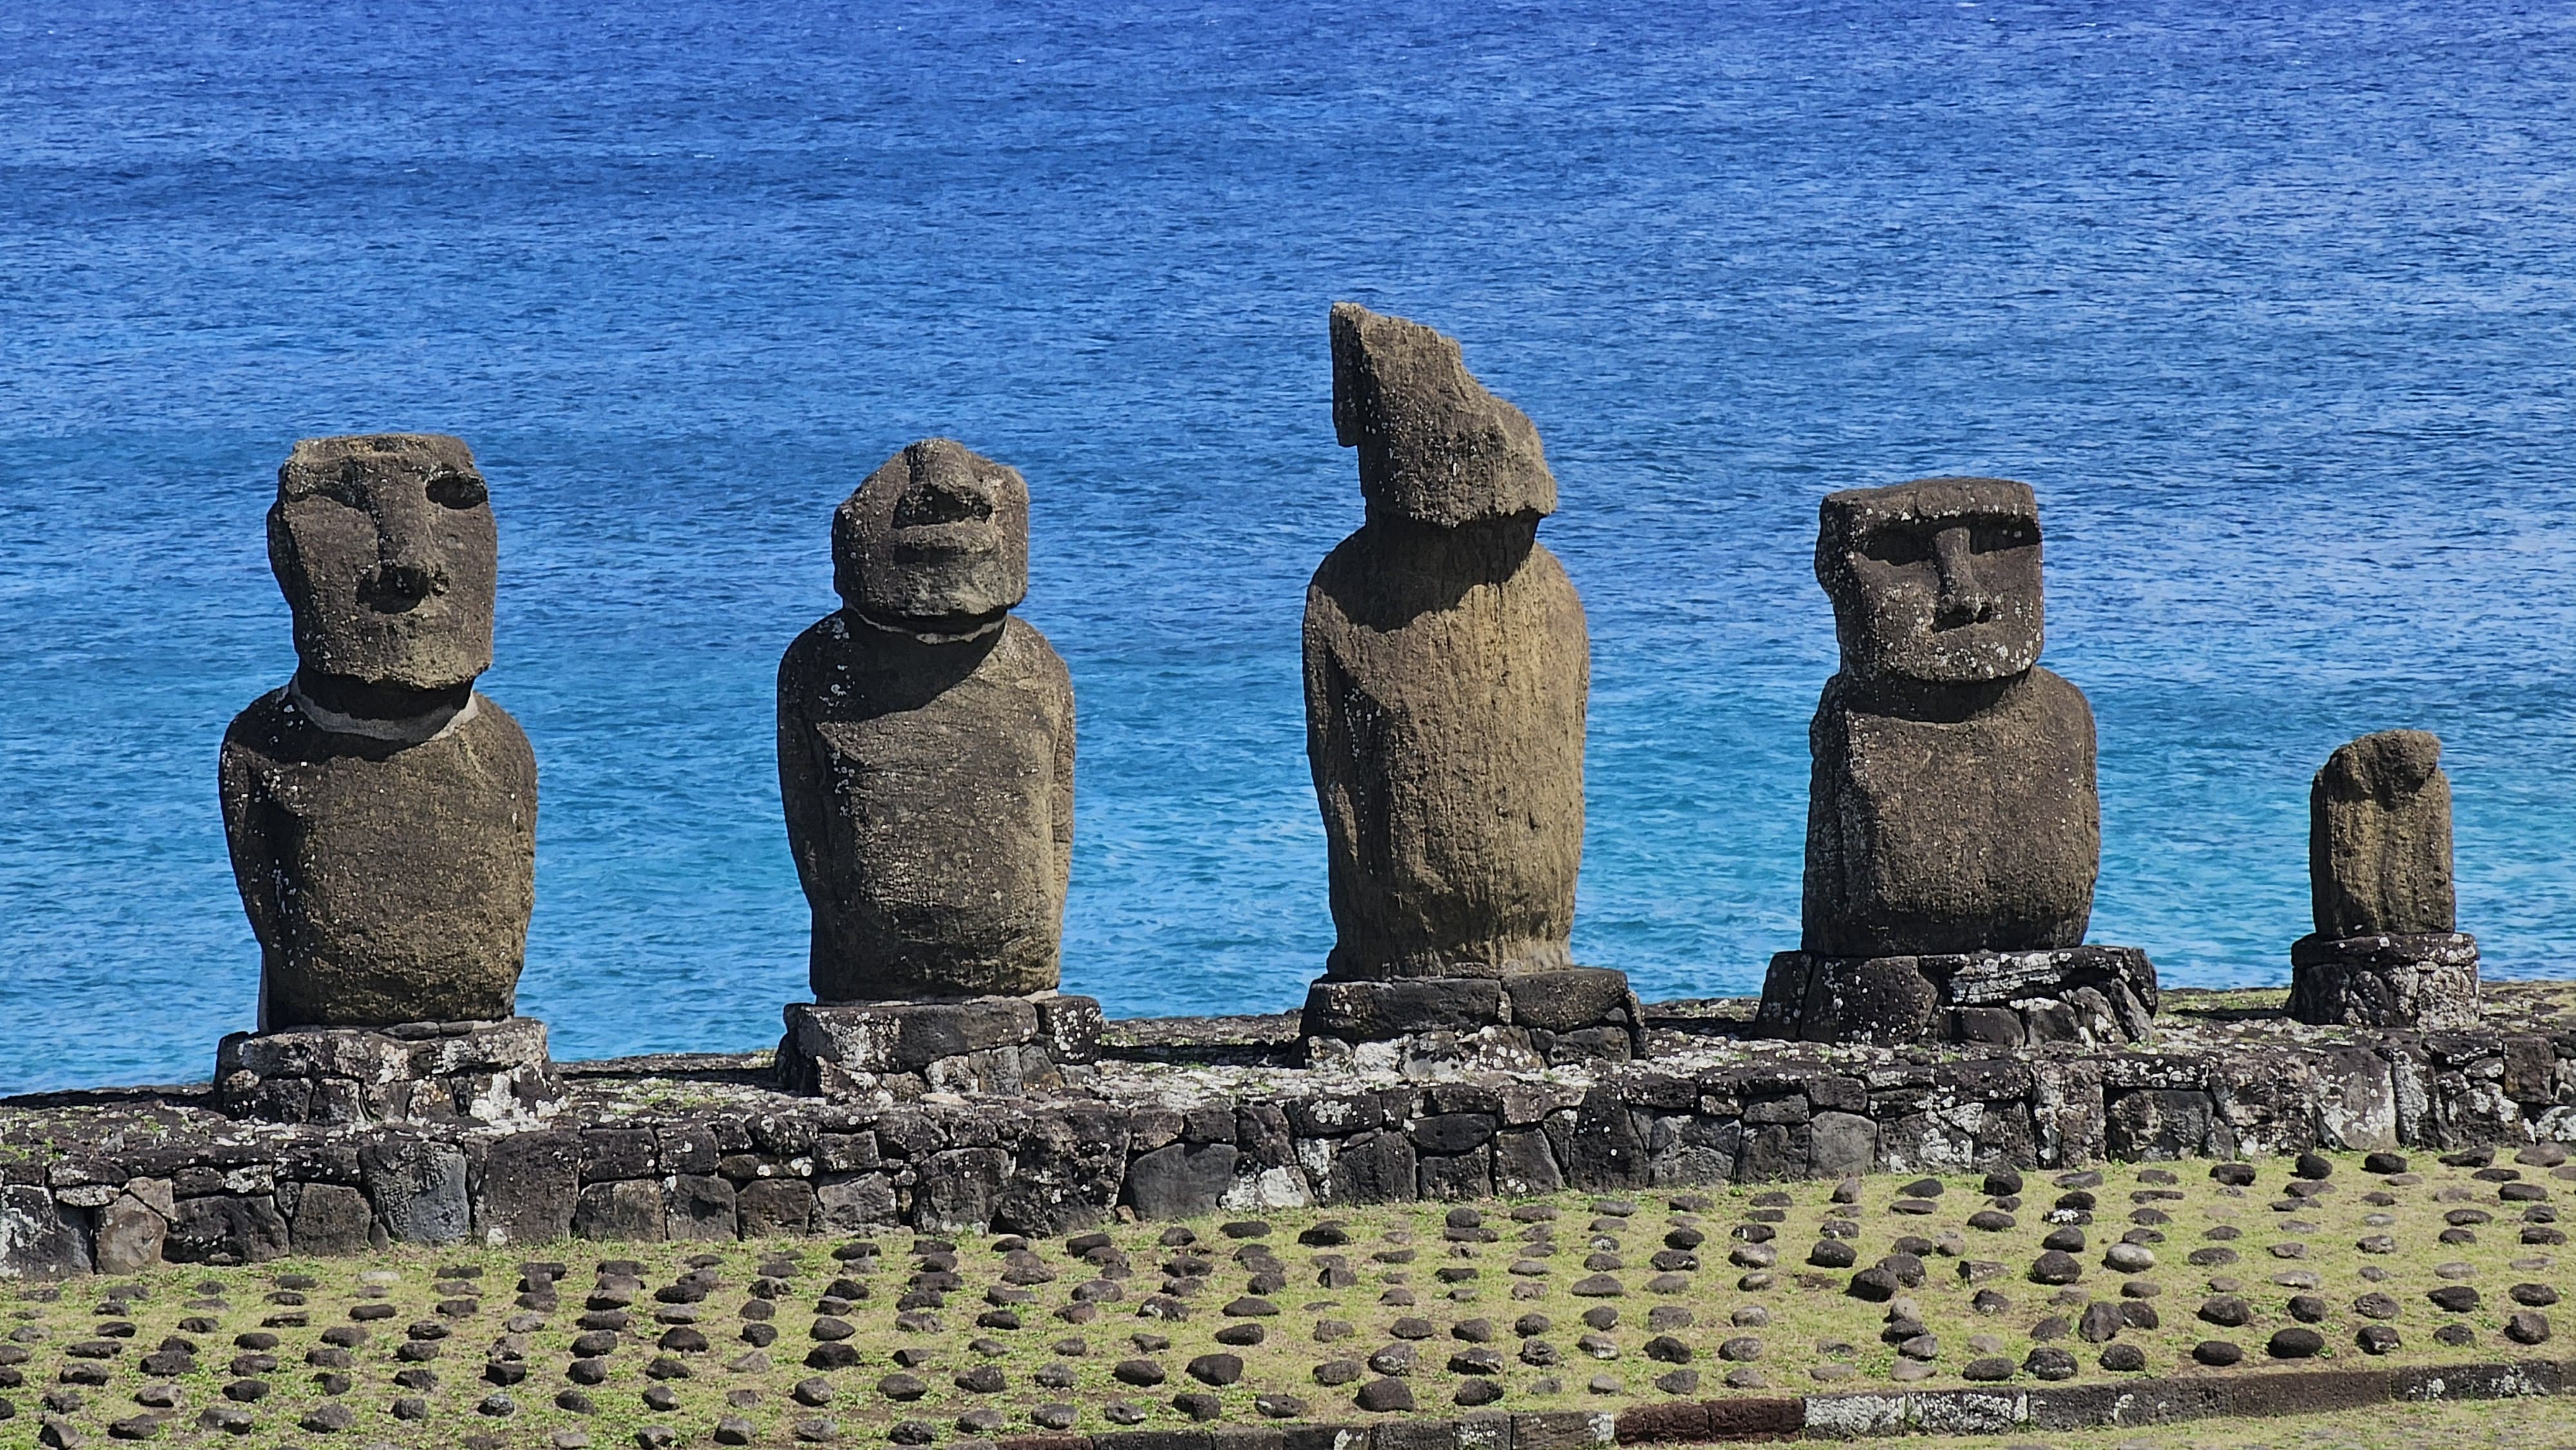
(2274, 305)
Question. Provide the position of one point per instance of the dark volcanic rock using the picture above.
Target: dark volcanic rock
(925, 744)
(2379, 838)
(1447, 668)
(2297, 1342)
(2386, 952)
(381, 814)
(1952, 806)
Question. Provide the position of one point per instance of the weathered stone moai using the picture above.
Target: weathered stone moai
(925, 760)
(1953, 833)
(382, 814)
(1447, 670)
(2386, 951)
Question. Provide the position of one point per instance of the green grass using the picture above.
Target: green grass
(1806, 1310)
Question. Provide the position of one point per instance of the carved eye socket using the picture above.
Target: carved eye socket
(1896, 544)
(1993, 536)
(457, 491)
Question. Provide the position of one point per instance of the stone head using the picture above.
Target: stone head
(385, 549)
(1935, 580)
(2389, 767)
(1435, 447)
(936, 540)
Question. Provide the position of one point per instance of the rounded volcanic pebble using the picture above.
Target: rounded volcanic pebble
(2226, 1311)
(2217, 1353)
(2124, 1358)
(2056, 1266)
(1385, 1396)
(2050, 1363)
(2526, 1326)
(2454, 1299)
(2297, 1342)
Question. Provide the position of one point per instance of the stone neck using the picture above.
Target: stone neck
(1936, 702)
(342, 705)
(1486, 548)
(929, 632)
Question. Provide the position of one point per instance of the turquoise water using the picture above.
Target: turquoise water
(2275, 306)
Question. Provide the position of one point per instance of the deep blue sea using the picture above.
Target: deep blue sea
(2274, 304)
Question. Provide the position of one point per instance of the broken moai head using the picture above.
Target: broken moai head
(385, 549)
(2379, 838)
(936, 541)
(1435, 447)
(1935, 580)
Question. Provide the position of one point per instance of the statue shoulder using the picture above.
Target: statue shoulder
(261, 728)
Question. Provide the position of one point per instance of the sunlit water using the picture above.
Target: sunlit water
(2276, 308)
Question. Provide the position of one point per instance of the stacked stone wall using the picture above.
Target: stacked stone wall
(705, 1149)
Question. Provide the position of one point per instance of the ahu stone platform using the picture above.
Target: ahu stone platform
(1186, 1115)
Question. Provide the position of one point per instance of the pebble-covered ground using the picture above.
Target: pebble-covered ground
(1336, 1315)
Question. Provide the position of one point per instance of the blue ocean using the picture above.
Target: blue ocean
(2274, 305)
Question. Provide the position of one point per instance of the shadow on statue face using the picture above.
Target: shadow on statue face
(937, 541)
(385, 549)
(1936, 580)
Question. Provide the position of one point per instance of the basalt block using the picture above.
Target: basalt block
(494, 1073)
(1525, 1020)
(2093, 995)
(898, 1050)
(2425, 980)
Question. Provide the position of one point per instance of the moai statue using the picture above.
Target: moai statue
(925, 760)
(2386, 951)
(1447, 669)
(382, 814)
(1953, 833)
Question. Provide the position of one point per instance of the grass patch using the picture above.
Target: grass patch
(1490, 1310)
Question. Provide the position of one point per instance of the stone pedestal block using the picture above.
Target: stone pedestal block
(2427, 981)
(900, 1050)
(1528, 1019)
(414, 1072)
(2087, 994)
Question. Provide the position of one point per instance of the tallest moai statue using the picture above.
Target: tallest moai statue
(1447, 670)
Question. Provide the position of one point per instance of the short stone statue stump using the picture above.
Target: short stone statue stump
(1520, 1020)
(414, 1072)
(2087, 994)
(2425, 981)
(900, 1050)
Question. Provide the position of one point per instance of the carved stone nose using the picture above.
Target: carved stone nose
(394, 587)
(1963, 599)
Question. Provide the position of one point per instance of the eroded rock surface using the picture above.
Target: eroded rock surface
(2386, 951)
(382, 814)
(925, 744)
(1953, 830)
(1447, 668)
